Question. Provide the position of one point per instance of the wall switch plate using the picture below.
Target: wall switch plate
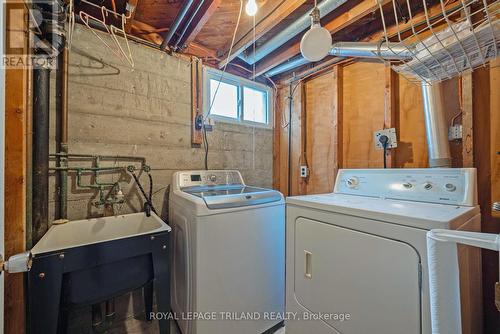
(304, 171)
(391, 134)
(455, 132)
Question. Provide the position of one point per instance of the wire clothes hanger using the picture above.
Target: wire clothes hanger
(110, 29)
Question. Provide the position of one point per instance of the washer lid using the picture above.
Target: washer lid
(222, 197)
(415, 214)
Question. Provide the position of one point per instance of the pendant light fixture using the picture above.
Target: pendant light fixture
(316, 42)
(251, 8)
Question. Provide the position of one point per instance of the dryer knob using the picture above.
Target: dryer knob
(450, 187)
(352, 182)
(212, 177)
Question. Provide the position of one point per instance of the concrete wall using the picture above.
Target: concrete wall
(146, 111)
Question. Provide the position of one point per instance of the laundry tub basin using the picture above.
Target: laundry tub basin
(88, 261)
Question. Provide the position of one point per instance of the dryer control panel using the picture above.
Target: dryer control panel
(456, 186)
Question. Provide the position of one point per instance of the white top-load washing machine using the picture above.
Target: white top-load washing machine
(357, 258)
(228, 264)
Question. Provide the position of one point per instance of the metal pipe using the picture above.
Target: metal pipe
(301, 24)
(62, 131)
(315, 69)
(188, 23)
(351, 49)
(53, 28)
(392, 51)
(287, 66)
(435, 125)
(290, 105)
(40, 154)
(176, 24)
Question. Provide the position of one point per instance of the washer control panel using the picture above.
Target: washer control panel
(209, 178)
(440, 185)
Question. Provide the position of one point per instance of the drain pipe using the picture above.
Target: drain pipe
(40, 154)
(177, 22)
(435, 125)
(53, 27)
(177, 44)
(62, 130)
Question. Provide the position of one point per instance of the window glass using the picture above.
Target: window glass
(254, 105)
(226, 101)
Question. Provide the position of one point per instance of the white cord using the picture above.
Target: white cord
(226, 62)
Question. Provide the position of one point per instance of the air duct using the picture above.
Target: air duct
(301, 24)
(432, 94)
(286, 66)
(391, 51)
(435, 125)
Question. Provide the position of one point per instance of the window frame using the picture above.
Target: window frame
(231, 79)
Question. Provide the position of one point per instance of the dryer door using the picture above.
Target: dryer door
(373, 279)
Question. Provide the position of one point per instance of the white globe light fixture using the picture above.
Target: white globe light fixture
(251, 8)
(317, 42)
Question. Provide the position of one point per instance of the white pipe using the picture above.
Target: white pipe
(444, 285)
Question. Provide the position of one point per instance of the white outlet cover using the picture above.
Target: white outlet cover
(390, 133)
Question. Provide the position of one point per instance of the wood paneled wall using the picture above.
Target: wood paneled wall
(364, 112)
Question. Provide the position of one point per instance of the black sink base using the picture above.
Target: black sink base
(94, 273)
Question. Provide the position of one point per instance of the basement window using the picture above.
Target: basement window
(236, 99)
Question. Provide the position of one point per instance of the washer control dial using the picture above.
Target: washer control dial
(212, 177)
(427, 186)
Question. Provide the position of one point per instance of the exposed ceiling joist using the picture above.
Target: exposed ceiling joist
(202, 21)
(272, 15)
(419, 21)
(153, 35)
(340, 22)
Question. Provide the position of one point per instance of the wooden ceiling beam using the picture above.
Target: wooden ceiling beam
(272, 15)
(202, 21)
(130, 20)
(351, 16)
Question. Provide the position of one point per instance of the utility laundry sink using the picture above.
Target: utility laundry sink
(79, 233)
(88, 261)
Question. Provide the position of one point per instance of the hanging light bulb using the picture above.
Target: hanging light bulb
(317, 42)
(251, 7)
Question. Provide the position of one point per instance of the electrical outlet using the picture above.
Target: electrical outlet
(209, 127)
(390, 133)
(304, 171)
(455, 132)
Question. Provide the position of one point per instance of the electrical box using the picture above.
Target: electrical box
(455, 132)
(304, 171)
(390, 133)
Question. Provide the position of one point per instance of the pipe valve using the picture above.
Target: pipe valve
(19, 263)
